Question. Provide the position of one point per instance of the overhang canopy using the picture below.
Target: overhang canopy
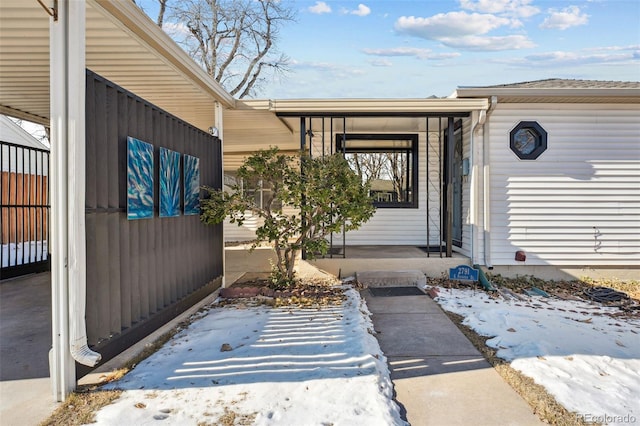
(256, 124)
(122, 44)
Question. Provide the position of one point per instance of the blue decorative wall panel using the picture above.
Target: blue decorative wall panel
(169, 183)
(139, 179)
(191, 185)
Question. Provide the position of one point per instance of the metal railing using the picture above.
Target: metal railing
(24, 203)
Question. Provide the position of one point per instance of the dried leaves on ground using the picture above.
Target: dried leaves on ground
(523, 286)
(305, 293)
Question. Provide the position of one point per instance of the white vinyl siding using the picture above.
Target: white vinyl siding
(579, 202)
(466, 193)
(247, 232)
(406, 226)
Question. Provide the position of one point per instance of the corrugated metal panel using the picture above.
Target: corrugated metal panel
(579, 202)
(141, 272)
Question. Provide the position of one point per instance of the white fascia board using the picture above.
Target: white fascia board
(377, 106)
(127, 16)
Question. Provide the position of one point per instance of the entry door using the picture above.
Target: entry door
(456, 226)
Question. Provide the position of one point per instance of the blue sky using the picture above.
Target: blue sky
(419, 48)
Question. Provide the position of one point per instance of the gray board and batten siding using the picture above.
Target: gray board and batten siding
(141, 273)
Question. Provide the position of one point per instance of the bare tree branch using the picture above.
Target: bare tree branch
(233, 40)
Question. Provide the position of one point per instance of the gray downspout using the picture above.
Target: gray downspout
(487, 186)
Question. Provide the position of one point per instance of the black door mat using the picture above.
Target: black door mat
(395, 291)
(433, 249)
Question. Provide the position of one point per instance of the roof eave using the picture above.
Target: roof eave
(565, 92)
(368, 106)
(127, 16)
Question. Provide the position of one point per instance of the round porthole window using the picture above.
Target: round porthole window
(528, 140)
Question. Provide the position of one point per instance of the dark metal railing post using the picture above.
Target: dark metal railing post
(449, 194)
(303, 141)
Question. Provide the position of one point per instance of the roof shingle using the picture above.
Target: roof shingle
(561, 83)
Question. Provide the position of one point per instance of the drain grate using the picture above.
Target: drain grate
(395, 291)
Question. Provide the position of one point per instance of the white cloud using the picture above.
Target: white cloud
(516, 8)
(633, 47)
(612, 55)
(362, 10)
(464, 30)
(575, 58)
(319, 8)
(566, 18)
(331, 69)
(176, 29)
(381, 62)
(410, 51)
(486, 43)
(452, 24)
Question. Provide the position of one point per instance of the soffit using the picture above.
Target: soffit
(258, 124)
(122, 44)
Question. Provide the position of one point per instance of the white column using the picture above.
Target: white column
(219, 124)
(68, 240)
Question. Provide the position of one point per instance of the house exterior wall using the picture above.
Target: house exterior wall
(388, 226)
(467, 181)
(579, 202)
(406, 226)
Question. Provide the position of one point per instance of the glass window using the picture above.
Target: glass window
(528, 140)
(388, 163)
(259, 191)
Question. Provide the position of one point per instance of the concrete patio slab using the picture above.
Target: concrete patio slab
(26, 395)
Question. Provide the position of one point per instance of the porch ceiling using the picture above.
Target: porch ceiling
(256, 124)
(122, 44)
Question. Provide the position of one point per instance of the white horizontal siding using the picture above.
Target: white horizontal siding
(247, 232)
(579, 202)
(466, 192)
(406, 226)
(393, 226)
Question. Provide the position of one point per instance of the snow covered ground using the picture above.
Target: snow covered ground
(23, 253)
(263, 366)
(585, 355)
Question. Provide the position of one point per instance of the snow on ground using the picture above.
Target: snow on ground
(587, 356)
(285, 367)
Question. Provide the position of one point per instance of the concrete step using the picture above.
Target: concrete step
(385, 278)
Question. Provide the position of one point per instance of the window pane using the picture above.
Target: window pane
(388, 172)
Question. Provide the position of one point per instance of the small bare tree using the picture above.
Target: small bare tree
(234, 40)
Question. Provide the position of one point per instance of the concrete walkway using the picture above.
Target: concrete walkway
(26, 396)
(439, 377)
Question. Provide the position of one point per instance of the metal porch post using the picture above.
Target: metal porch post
(449, 174)
(303, 140)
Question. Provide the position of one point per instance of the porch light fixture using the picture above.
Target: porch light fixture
(528, 140)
